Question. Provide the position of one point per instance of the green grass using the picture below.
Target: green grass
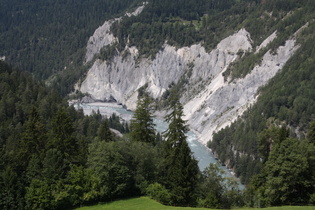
(144, 203)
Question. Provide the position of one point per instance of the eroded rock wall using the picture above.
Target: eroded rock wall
(210, 102)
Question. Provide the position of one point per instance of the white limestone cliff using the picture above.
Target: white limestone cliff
(122, 77)
(267, 41)
(210, 103)
(221, 103)
(103, 36)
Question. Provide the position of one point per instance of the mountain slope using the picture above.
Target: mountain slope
(46, 37)
(218, 83)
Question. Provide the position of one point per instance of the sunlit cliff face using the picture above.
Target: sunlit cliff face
(210, 102)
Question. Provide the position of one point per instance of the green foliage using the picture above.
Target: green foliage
(56, 36)
(218, 190)
(33, 138)
(269, 137)
(54, 166)
(180, 23)
(159, 193)
(142, 126)
(123, 168)
(110, 167)
(283, 20)
(288, 98)
(311, 133)
(44, 162)
(82, 185)
(43, 146)
(38, 195)
(104, 133)
(62, 137)
(288, 175)
(180, 169)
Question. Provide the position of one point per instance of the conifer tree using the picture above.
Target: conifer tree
(104, 133)
(142, 126)
(311, 132)
(33, 139)
(62, 137)
(180, 167)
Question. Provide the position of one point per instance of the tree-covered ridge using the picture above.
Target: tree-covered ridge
(288, 100)
(266, 19)
(44, 37)
(183, 23)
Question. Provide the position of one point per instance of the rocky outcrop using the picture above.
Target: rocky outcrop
(123, 76)
(210, 102)
(221, 103)
(103, 36)
(267, 41)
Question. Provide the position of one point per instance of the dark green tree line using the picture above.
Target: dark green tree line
(180, 167)
(142, 126)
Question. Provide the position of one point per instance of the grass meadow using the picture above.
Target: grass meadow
(145, 203)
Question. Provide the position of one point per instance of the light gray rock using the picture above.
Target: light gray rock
(267, 41)
(210, 103)
(122, 77)
(87, 99)
(221, 103)
(103, 36)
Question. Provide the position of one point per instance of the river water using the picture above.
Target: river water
(200, 151)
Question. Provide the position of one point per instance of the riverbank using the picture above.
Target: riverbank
(104, 108)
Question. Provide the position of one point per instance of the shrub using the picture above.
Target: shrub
(159, 193)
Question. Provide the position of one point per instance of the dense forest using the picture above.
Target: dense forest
(52, 156)
(47, 37)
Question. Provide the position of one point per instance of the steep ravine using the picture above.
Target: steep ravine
(210, 103)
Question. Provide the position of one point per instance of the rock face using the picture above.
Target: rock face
(221, 103)
(103, 36)
(122, 76)
(210, 103)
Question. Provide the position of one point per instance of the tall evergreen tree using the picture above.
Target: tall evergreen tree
(311, 132)
(104, 133)
(62, 137)
(288, 175)
(33, 138)
(142, 126)
(180, 167)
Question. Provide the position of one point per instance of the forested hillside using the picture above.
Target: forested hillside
(287, 101)
(53, 157)
(46, 37)
(41, 141)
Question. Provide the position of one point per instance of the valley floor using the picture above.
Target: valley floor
(144, 203)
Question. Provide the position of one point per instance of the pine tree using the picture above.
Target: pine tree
(180, 167)
(104, 133)
(142, 126)
(33, 139)
(311, 132)
(62, 137)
